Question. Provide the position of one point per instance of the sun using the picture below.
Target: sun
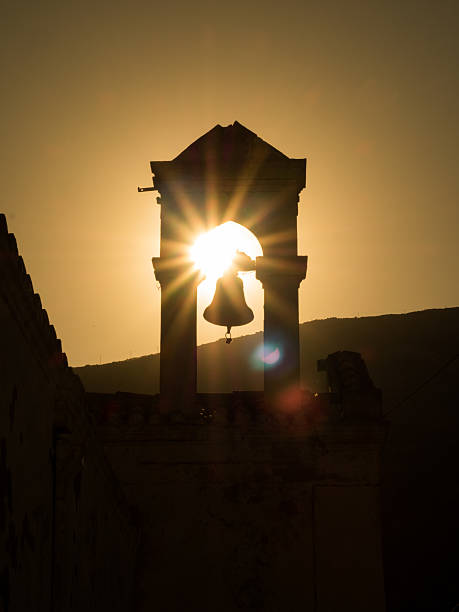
(214, 251)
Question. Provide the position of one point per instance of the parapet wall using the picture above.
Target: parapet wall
(60, 504)
(249, 510)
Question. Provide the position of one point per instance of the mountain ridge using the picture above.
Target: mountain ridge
(400, 350)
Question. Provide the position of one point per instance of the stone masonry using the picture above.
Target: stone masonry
(67, 536)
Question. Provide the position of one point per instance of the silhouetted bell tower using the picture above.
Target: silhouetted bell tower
(229, 174)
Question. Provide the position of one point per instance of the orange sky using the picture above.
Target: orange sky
(92, 91)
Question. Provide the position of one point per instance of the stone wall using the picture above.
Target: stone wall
(67, 537)
(242, 510)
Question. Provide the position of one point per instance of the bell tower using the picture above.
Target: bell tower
(229, 174)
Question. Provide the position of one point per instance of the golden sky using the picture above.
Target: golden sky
(367, 91)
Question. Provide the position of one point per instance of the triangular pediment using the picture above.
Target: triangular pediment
(231, 142)
(225, 156)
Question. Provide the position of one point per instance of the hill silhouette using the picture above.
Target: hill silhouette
(401, 350)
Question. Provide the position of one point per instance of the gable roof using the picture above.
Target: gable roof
(228, 155)
(230, 143)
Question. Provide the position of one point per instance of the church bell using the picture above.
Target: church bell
(228, 306)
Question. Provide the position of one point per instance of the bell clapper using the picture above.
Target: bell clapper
(228, 335)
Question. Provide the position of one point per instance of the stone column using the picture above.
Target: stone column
(178, 358)
(281, 277)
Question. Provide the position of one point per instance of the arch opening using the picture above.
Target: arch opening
(212, 253)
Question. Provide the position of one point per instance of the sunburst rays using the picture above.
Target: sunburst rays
(214, 251)
(207, 225)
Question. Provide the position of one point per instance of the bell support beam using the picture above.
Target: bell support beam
(178, 357)
(281, 278)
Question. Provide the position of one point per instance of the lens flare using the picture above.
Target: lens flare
(266, 355)
(272, 357)
(290, 400)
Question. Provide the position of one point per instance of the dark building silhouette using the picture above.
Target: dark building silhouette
(245, 501)
(129, 502)
(68, 538)
(413, 357)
